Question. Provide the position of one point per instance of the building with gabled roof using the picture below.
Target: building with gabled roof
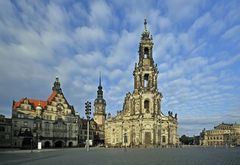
(52, 122)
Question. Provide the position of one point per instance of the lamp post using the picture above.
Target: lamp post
(88, 113)
(31, 145)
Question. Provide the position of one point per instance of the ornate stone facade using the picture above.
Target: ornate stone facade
(52, 122)
(141, 121)
(222, 135)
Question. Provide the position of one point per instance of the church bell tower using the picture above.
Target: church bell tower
(145, 72)
(145, 77)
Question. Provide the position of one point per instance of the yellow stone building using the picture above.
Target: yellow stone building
(222, 135)
(141, 122)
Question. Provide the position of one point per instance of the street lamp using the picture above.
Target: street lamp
(88, 113)
(31, 145)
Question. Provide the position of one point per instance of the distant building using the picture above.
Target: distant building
(141, 122)
(5, 131)
(52, 122)
(93, 128)
(222, 135)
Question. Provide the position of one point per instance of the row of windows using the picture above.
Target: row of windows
(116, 139)
(37, 125)
(26, 107)
(48, 117)
(215, 138)
(20, 115)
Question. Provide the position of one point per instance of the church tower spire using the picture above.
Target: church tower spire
(100, 105)
(100, 80)
(100, 91)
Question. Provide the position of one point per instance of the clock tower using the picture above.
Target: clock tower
(100, 105)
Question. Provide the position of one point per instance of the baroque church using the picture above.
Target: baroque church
(141, 121)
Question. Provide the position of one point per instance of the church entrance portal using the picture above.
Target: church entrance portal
(147, 138)
(27, 143)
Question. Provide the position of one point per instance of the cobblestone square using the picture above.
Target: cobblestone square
(120, 156)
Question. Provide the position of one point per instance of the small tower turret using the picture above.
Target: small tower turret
(56, 86)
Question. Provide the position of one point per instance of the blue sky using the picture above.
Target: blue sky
(196, 47)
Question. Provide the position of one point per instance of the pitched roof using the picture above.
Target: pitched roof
(35, 102)
(54, 93)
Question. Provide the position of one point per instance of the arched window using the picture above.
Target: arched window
(146, 52)
(146, 105)
(125, 138)
(164, 139)
(146, 77)
(113, 135)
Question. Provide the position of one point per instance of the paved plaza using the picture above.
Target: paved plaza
(139, 156)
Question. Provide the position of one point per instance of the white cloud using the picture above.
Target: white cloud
(100, 14)
(200, 22)
(226, 62)
(232, 33)
(89, 37)
(183, 9)
(124, 48)
(164, 22)
(56, 15)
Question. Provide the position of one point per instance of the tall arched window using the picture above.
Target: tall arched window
(146, 105)
(113, 135)
(146, 77)
(164, 139)
(125, 137)
(146, 52)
